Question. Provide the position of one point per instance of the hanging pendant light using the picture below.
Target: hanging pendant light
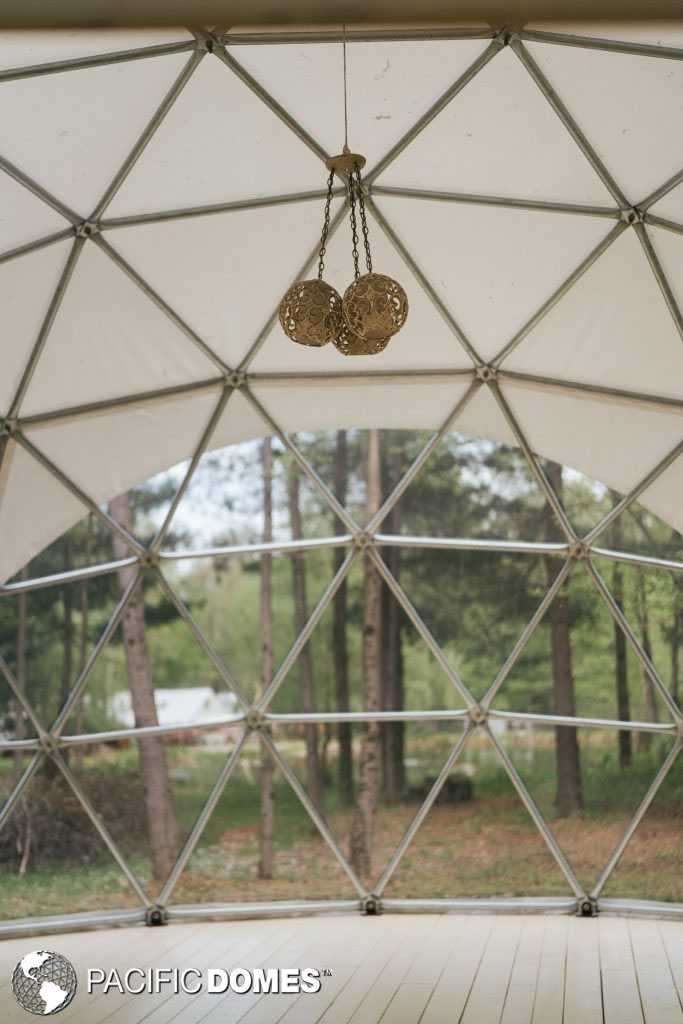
(374, 306)
(311, 311)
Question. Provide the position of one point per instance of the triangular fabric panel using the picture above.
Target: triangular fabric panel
(110, 334)
(22, 49)
(669, 248)
(492, 267)
(589, 808)
(24, 484)
(225, 864)
(68, 866)
(499, 137)
(659, 497)
(396, 80)
(425, 341)
(579, 433)
(483, 417)
(627, 118)
(27, 285)
(25, 217)
(457, 853)
(650, 866)
(229, 254)
(612, 327)
(671, 206)
(56, 135)
(138, 430)
(216, 107)
(335, 404)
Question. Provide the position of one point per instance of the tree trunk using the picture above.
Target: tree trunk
(83, 639)
(339, 643)
(620, 660)
(676, 637)
(161, 821)
(265, 869)
(362, 829)
(23, 812)
(392, 733)
(313, 771)
(67, 634)
(643, 613)
(569, 797)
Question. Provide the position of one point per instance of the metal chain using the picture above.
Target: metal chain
(354, 226)
(326, 227)
(364, 221)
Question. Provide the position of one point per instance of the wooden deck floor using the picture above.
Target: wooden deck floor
(395, 969)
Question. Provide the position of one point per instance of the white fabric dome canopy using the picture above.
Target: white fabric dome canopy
(161, 190)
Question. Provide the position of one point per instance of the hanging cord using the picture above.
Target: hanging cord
(326, 227)
(346, 110)
(363, 218)
(354, 225)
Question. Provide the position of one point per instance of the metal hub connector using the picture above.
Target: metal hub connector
(477, 715)
(362, 541)
(236, 379)
(87, 229)
(156, 916)
(578, 550)
(371, 906)
(587, 907)
(49, 743)
(9, 427)
(149, 560)
(486, 374)
(255, 719)
(632, 215)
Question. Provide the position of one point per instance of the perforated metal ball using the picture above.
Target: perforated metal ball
(375, 306)
(311, 313)
(351, 344)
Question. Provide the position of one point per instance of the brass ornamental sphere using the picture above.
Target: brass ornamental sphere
(311, 313)
(375, 306)
(350, 344)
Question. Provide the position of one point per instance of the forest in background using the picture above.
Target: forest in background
(365, 652)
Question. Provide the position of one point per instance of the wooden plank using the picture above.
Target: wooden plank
(658, 994)
(549, 1003)
(386, 939)
(620, 995)
(583, 985)
(672, 939)
(621, 998)
(408, 1004)
(521, 994)
(487, 998)
(453, 988)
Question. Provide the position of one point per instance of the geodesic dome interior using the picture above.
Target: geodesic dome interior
(161, 190)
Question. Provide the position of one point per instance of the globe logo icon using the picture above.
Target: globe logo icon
(44, 982)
